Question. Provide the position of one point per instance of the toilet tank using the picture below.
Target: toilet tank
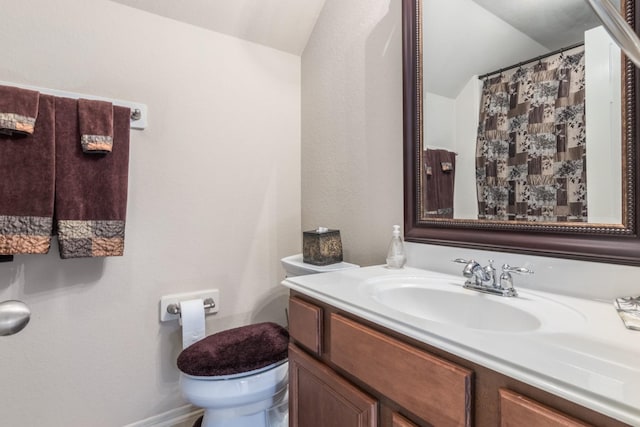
(294, 266)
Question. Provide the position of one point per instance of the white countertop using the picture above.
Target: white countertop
(594, 362)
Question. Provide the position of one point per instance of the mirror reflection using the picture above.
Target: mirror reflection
(521, 113)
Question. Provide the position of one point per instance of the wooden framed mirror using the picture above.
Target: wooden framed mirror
(616, 241)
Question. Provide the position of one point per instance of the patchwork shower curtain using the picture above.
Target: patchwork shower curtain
(531, 147)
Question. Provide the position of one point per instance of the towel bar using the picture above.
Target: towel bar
(139, 111)
(175, 308)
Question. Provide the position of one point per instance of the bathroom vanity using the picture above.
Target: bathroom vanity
(369, 349)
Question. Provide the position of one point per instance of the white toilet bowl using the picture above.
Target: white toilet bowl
(241, 400)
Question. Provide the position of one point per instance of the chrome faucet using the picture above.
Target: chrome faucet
(484, 279)
(479, 274)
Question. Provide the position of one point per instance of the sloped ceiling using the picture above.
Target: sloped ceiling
(281, 24)
(466, 37)
(286, 25)
(552, 23)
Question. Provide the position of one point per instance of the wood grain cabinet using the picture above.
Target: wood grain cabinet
(307, 327)
(345, 374)
(398, 420)
(514, 408)
(348, 372)
(320, 398)
(437, 391)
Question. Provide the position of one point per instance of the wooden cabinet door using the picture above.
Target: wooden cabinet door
(318, 397)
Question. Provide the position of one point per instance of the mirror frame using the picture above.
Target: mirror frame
(610, 243)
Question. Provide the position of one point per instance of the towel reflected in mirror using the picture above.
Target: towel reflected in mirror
(439, 178)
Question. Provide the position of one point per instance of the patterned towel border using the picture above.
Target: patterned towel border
(79, 239)
(15, 123)
(25, 234)
(96, 143)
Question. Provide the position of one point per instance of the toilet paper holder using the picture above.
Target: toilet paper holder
(175, 308)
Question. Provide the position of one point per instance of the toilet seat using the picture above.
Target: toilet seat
(236, 351)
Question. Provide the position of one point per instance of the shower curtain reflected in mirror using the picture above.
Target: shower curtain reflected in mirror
(531, 147)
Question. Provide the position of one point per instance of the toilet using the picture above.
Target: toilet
(240, 376)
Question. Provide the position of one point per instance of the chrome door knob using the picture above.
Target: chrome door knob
(14, 316)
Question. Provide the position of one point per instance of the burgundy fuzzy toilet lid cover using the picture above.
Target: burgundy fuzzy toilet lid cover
(237, 350)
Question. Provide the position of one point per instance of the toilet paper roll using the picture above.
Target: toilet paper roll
(192, 319)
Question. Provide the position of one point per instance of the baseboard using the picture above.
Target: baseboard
(183, 416)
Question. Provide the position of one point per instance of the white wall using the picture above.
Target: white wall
(471, 31)
(352, 125)
(281, 24)
(214, 201)
(467, 116)
(604, 127)
(440, 114)
(452, 124)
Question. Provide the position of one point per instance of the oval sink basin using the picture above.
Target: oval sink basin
(442, 301)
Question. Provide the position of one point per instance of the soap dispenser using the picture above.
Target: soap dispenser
(396, 257)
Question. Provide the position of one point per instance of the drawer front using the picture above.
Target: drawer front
(305, 324)
(516, 409)
(434, 389)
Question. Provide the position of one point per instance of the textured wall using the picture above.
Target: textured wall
(214, 201)
(352, 125)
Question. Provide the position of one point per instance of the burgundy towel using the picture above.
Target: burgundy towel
(430, 187)
(235, 351)
(18, 110)
(96, 126)
(27, 186)
(446, 185)
(91, 191)
(439, 183)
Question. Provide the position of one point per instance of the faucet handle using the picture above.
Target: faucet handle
(470, 266)
(506, 281)
(506, 268)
